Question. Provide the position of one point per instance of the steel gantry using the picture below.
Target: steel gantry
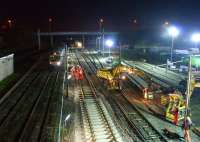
(82, 34)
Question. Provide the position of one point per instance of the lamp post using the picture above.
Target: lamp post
(100, 24)
(10, 23)
(110, 44)
(98, 43)
(173, 32)
(101, 28)
(120, 54)
(186, 129)
(39, 40)
(103, 42)
(188, 94)
(195, 39)
(50, 30)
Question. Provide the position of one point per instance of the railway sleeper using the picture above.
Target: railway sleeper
(101, 131)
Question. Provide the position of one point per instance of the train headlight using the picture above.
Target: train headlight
(58, 63)
(123, 77)
(79, 44)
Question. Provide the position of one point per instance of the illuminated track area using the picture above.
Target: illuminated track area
(27, 113)
(136, 121)
(97, 123)
(120, 122)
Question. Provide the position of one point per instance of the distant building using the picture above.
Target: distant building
(153, 48)
(187, 51)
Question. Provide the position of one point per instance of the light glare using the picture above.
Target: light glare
(58, 63)
(123, 77)
(79, 44)
(173, 31)
(196, 37)
(109, 43)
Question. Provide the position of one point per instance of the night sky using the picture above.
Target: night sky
(75, 15)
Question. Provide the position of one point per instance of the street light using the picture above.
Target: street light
(195, 38)
(98, 43)
(101, 28)
(101, 25)
(10, 23)
(109, 44)
(166, 23)
(50, 30)
(173, 32)
(50, 20)
(135, 21)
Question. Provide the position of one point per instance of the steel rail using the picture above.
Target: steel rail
(137, 121)
(97, 115)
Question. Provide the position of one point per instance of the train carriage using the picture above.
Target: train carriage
(55, 59)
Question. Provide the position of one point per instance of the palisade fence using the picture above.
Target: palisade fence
(6, 66)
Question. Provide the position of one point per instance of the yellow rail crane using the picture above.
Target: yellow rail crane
(175, 108)
(115, 75)
(176, 104)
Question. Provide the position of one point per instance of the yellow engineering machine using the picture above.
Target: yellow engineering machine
(176, 103)
(114, 75)
(175, 108)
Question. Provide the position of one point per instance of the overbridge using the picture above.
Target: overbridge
(75, 33)
(83, 34)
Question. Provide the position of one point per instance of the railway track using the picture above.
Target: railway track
(50, 126)
(97, 123)
(34, 125)
(139, 123)
(125, 126)
(142, 127)
(14, 123)
(30, 112)
(157, 80)
(116, 115)
(9, 104)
